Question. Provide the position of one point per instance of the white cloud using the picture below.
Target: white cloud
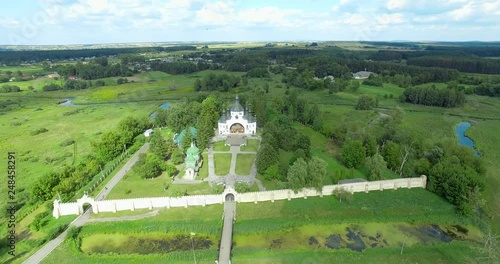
(391, 19)
(354, 19)
(9, 23)
(463, 12)
(218, 13)
(396, 4)
(270, 15)
(185, 18)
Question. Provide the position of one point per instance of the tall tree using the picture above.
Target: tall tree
(353, 153)
(316, 173)
(187, 140)
(158, 145)
(207, 121)
(376, 166)
(297, 175)
(266, 157)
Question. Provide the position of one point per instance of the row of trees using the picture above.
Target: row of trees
(216, 82)
(9, 89)
(431, 96)
(72, 85)
(181, 67)
(488, 89)
(17, 57)
(95, 69)
(460, 63)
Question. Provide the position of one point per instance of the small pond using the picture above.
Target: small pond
(163, 106)
(463, 140)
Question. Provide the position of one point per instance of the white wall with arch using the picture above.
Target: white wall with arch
(61, 209)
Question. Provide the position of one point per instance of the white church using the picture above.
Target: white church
(237, 120)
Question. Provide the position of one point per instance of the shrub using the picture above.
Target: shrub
(67, 142)
(177, 191)
(9, 89)
(51, 87)
(100, 83)
(217, 189)
(170, 169)
(242, 187)
(366, 102)
(73, 232)
(38, 131)
(40, 221)
(177, 157)
(55, 231)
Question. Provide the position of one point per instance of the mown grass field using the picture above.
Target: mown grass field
(244, 163)
(252, 145)
(222, 163)
(220, 146)
(132, 186)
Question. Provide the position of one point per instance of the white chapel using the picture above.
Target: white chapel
(237, 120)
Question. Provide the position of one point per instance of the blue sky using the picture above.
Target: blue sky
(44, 22)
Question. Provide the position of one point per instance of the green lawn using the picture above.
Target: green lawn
(132, 186)
(219, 146)
(244, 163)
(252, 145)
(222, 164)
(203, 172)
(286, 227)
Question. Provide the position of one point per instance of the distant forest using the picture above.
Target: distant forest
(18, 57)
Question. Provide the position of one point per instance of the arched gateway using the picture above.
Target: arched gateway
(229, 197)
(237, 129)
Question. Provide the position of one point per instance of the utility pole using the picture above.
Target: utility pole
(192, 244)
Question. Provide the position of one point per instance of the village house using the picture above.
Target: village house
(363, 75)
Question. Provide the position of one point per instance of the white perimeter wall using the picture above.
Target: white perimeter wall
(61, 209)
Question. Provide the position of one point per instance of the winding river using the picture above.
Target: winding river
(69, 102)
(463, 140)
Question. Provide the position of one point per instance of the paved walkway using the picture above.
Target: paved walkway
(84, 218)
(226, 239)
